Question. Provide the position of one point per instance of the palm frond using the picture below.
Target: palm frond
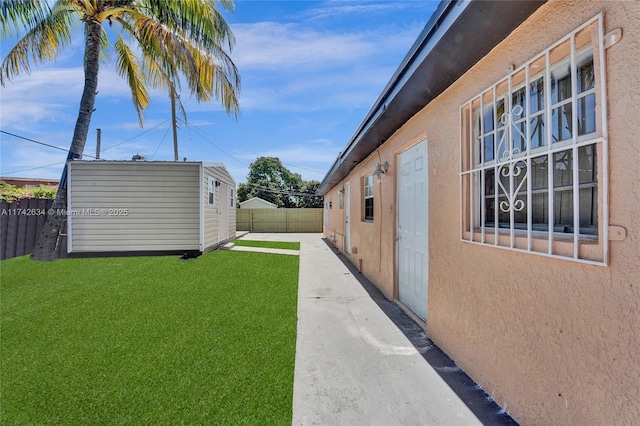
(128, 68)
(16, 15)
(41, 44)
(205, 65)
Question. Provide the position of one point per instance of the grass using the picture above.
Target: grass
(268, 244)
(148, 340)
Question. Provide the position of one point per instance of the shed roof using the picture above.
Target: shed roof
(457, 36)
(258, 199)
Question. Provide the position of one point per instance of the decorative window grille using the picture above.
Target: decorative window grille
(368, 198)
(533, 172)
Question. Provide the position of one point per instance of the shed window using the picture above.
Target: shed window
(231, 198)
(368, 198)
(212, 191)
(532, 146)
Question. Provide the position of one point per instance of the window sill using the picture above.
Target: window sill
(590, 247)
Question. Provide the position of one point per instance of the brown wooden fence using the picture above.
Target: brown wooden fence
(20, 225)
(279, 220)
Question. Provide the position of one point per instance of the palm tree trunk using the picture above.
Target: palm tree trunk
(45, 247)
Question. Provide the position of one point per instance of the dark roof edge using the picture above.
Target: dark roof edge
(426, 56)
(432, 24)
(379, 104)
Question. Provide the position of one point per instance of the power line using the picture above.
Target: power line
(130, 139)
(214, 145)
(34, 168)
(38, 142)
(246, 150)
(163, 137)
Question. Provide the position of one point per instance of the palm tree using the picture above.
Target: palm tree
(185, 40)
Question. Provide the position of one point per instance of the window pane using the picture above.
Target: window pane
(476, 120)
(539, 172)
(588, 178)
(540, 211)
(501, 142)
(587, 161)
(368, 209)
(489, 183)
(488, 118)
(517, 100)
(536, 95)
(587, 114)
(488, 148)
(589, 210)
(520, 216)
(489, 212)
(563, 211)
(560, 84)
(561, 123)
(563, 169)
(499, 111)
(518, 132)
(538, 133)
(504, 218)
(586, 79)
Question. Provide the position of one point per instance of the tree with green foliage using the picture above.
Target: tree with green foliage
(158, 43)
(270, 180)
(311, 201)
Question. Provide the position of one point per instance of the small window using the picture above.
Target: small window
(231, 198)
(212, 191)
(368, 198)
(341, 198)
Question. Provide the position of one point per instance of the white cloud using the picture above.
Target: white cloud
(281, 46)
(343, 8)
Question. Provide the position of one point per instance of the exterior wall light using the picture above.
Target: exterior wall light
(381, 169)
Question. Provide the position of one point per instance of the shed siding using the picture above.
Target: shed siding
(161, 202)
(214, 231)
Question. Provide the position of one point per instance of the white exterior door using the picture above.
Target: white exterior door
(347, 213)
(413, 228)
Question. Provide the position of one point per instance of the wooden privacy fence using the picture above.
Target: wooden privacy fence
(279, 220)
(20, 225)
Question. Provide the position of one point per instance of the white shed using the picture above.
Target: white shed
(137, 207)
(257, 203)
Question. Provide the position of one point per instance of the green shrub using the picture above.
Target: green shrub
(11, 193)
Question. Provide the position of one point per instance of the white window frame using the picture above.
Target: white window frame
(367, 192)
(473, 164)
(211, 191)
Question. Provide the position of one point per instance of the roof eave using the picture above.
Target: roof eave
(447, 48)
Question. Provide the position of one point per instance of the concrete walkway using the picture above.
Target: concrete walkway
(361, 361)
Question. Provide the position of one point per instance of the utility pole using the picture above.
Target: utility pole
(99, 136)
(174, 121)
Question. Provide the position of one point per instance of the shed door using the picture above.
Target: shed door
(223, 212)
(413, 232)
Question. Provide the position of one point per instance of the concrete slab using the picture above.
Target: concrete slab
(265, 250)
(361, 361)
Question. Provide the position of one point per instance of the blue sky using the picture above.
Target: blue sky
(310, 72)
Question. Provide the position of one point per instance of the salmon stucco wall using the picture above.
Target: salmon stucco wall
(553, 340)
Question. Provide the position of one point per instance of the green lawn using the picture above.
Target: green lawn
(268, 244)
(148, 340)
